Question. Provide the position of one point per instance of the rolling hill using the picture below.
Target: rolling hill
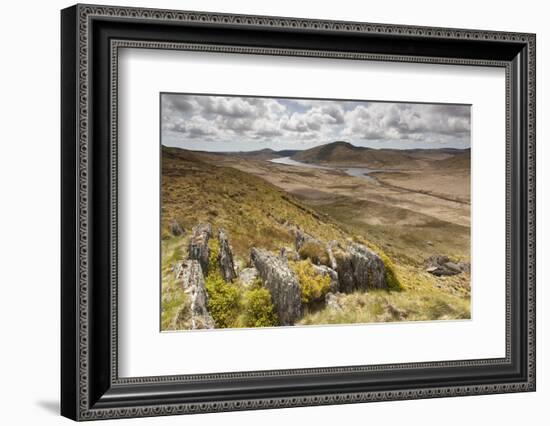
(344, 153)
(251, 209)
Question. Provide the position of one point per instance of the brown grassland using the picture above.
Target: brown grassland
(419, 208)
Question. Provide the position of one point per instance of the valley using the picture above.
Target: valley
(407, 205)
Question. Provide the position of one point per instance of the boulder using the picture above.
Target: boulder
(225, 258)
(436, 260)
(464, 266)
(453, 267)
(192, 281)
(368, 268)
(281, 282)
(330, 254)
(344, 267)
(176, 229)
(359, 268)
(248, 276)
(198, 245)
(441, 266)
(326, 271)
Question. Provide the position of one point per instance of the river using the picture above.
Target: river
(362, 172)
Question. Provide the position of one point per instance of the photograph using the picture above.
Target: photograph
(280, 211)
(262, 208)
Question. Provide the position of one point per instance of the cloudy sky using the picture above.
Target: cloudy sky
(233, 123)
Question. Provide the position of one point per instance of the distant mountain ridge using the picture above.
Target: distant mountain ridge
(334, 151)
(344, 153)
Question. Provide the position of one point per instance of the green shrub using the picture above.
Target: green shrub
(313, 286)
(224, 299)
(258, 310)
(391, 277)
(315, 252)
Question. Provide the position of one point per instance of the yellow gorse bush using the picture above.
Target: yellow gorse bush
(313, 286)
(258, 310)
(232, 305)
(223, 298)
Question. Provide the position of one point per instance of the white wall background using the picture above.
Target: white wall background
(29, 212)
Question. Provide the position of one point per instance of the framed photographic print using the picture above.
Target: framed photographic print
(263, 212)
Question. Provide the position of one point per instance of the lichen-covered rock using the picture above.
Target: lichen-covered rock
(464, 266)
(330, 254)
(176, 229)
(247, 276)
(436, 260)
(326, 271)
(281, 282)
(441, 266)
(225, 258)
(368, 268)
(359, 268)
(344, 267)
(198, 245)
(192, 281)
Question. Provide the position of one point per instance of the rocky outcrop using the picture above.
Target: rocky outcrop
(368, 268)
(281, 282)
(289, 254)
(359, 268)
(248, 276)
(225, 258)
(330, 254)
(441, 266)
(176, 229)
(198, 245)
(464, 266)
(192, 281)
(326, 271)
(346, 278)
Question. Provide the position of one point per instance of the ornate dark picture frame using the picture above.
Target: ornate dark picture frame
(91, 37)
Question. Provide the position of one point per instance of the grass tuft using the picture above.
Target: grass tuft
(315, 252)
